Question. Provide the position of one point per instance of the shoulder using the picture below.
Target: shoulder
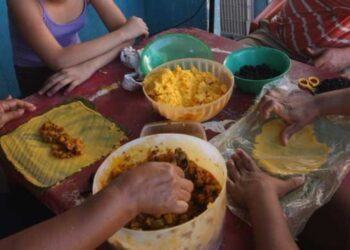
(24, 7)
(26, 15)
(23, 3)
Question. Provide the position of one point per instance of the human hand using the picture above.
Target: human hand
(332, 59)
(68, 78)
(248, 181)
(11, 109)
(156, 188)
(297, 110)
(134, 28)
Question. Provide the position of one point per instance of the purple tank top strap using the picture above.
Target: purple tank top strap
(42, 6)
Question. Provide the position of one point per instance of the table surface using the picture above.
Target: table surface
(131, 111)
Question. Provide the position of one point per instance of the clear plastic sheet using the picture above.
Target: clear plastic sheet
(320, 185)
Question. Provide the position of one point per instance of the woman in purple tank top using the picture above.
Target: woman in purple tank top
(48, 54)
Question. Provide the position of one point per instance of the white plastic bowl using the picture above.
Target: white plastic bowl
(202, 232)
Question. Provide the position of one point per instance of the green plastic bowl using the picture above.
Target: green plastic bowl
(274, 58)
(170, 47)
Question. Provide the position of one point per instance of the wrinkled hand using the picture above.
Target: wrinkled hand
(134, 28)
(248, 181)
(332, 59)
(157, 188)
(68, 78)
(11, 109)
(297, 110)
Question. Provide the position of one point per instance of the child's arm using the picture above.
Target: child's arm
(112, 17)
(164, 190)
(72, 77)
(27, 16)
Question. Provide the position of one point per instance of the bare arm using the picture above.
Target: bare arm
(112, 17)
(270, 228)
(259, 193)
(90, 224)
(102, 60)
(333, 102)
(83, 227)
(28, 18)
(332, 59)
(72, 77)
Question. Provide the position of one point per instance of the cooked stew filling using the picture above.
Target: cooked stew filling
(63, 146)
(206, 190)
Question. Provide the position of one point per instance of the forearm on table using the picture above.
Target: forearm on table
(84, 227)
(102, 60)
(333, 103)
(79, 53)
(270, 227)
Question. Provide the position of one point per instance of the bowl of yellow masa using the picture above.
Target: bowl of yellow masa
(191, 89)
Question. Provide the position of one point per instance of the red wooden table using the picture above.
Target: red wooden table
(131, 111)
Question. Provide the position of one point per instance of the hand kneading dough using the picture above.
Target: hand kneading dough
(303, 153)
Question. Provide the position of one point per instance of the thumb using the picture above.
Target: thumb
(11, 115)
(291, 184)
(289, 131)
(180, 207)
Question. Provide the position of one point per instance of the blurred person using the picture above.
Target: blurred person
(48, 54)
(313, 31)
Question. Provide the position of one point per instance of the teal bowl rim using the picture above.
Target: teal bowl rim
(142, 67)
(261, 80)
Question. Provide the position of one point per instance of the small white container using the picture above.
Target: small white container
(168, 127)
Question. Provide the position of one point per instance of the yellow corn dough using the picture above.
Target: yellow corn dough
(303, 153)
(32, 157)
(183, 88)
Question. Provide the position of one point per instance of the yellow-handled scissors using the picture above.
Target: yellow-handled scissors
(309, 83)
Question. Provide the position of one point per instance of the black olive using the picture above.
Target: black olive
(332, 84)
(258, 72)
